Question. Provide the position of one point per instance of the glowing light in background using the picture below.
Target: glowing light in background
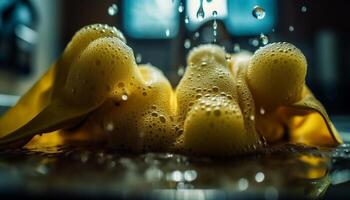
(240, 20)
(151, 19)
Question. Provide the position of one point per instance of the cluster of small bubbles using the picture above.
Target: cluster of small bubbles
(138, 58)
(187, 43)
(264, 39)
(190, 175)
(303, 9)
(125, 97)
(167, 32)
(259, 177)
(113, 10)
(243, 184)
(181, 71)
(187, 19)
(258, 12)
(291, 28)
(181, 7)
(236, 48)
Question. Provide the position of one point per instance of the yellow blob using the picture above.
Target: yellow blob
(214, 126)
(144, 120)
(207, 100)
(276, 75)
(50, 104)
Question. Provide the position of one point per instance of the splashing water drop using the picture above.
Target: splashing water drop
(113, 10)
(258, 12)
(200, 12)
(264, 39)
(181, 8)
(138, 58)
(187, 44)
(187, 20)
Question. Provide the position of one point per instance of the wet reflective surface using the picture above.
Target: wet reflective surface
(277, 172)
(284, 171)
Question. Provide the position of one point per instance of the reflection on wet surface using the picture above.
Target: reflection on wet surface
(277, 172)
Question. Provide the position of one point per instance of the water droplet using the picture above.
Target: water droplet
(254, 42)
(236, 48)
(259, 177)
(196, 35)
(125, 97)
(181, 7)
(291, 28)
(109, 126)
(303, 9)
(113, 10)
(181, 71)
(264, 39)
(167, 32)
(187, 43)
(187, 20)
(258, 12)
(176, 176)
(262, 111)
(252, 117)
(215, 13)
(138, 58)
(190, 175)
(243, 184)
(200, 12)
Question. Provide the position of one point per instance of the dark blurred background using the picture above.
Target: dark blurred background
(33, 33)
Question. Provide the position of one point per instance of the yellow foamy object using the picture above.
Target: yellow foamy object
(143, 119)
(276, 75)
(51, 104)
(207, 103)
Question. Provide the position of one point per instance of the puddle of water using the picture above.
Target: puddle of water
(277, 172)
